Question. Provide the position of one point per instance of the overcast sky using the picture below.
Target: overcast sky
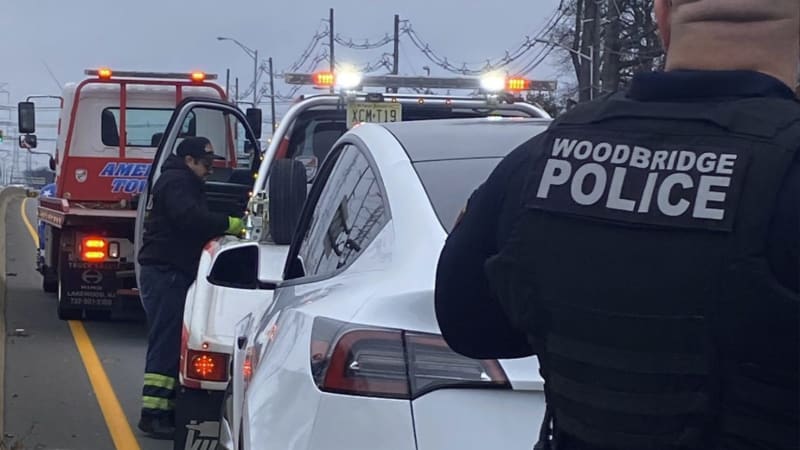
(180, 35)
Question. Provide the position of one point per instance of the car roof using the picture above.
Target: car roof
(488, 137)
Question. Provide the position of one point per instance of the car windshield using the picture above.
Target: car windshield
(449, 184)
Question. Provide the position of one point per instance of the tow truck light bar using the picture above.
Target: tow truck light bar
(106, 74)
(489, 82)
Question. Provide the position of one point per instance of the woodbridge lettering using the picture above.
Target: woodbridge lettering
(129, 178)
(678, 186)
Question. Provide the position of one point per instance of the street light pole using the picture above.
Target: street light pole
(251, 53)
(589, 58)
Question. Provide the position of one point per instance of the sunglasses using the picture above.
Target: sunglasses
(207, 162)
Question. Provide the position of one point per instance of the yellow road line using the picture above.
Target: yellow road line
(117, 423)
(27, 222)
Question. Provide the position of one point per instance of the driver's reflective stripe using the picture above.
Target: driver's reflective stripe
(159, 381)
(158, 403)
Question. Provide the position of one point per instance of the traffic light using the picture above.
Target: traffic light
(1, 136)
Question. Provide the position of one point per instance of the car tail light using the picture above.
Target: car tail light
(375, 362)
(93, 249)
(207, 366)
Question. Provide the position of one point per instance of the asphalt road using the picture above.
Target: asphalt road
(58, 394)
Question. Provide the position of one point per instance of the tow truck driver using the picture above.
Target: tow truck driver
(175, 231)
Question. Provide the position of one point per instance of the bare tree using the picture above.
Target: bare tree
(607, 41)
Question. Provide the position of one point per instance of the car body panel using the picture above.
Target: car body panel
(390, 285)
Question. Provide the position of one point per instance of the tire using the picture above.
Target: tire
(49, 285)
(287, 193)
(66, 312)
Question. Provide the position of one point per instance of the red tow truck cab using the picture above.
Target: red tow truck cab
(109, 129)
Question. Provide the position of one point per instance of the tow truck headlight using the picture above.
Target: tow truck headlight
(493, 82)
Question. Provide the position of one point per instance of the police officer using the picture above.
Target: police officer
(645, 247)
(175, 232)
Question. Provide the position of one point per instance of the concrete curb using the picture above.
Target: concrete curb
(6, 194)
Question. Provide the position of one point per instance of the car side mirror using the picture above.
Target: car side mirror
(52, 164)
(236, 267)
(26, 117)
(287, 194)
(254, 120)
(28, 141)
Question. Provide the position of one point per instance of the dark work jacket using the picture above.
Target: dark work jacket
(179, 223)
(475, 324)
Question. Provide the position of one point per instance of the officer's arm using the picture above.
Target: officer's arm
(471, 321)
(186, 212)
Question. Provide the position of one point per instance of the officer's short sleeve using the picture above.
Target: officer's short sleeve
(470, 320)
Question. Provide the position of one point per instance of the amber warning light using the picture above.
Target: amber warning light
(324, 79)
(104, 74)
(518, 84)
(198, 77)
(209, 366)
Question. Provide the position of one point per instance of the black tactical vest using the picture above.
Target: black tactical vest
(638, 269)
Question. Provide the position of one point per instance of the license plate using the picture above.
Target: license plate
(358, 112)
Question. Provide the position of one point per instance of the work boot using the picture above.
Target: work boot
(158, 427)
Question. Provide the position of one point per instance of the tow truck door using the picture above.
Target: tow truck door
(228, 130)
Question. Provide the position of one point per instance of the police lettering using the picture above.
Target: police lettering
(629, 180)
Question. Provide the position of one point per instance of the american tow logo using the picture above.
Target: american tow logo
(692, 186)
(129, 178)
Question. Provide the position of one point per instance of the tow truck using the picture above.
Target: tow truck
(109, 126)
(237, 275)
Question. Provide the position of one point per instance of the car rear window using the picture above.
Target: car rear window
(449, 184)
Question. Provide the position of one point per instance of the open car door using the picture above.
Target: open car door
(232, 136)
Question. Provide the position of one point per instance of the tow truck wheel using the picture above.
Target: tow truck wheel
(287, 192)
(49, 285)
(66, 312)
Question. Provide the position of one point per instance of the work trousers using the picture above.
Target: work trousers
(163, 292)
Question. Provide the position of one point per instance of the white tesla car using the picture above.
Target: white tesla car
(348, 355)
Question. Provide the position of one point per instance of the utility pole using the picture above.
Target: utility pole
(272, 94)
(255, 77)
(332, 41)
(396, 62)
(228, 83)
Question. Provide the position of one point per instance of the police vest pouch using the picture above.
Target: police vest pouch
(637, 259)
